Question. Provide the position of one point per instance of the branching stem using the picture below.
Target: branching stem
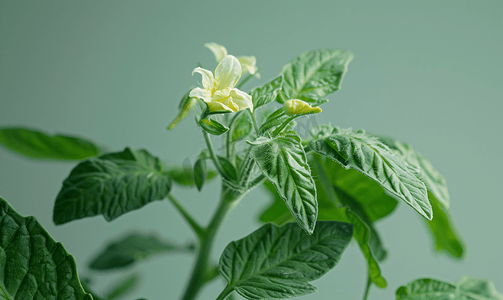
(228, 200)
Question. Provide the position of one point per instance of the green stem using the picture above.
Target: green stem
(367, 288)
(254, 121)
(278, 130)
(229, 134)
(226, 292)
(228, 200)
(245, 80)
(256, 181)
(213, 156)
(185, 214)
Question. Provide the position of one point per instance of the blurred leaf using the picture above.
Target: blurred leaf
(111, 185)
(442, 227)
(133, 248)
(201, 170)
(37, 144)
(185, 175)
(124, 287)
(278, 262)
(467, 288)
(32, 264)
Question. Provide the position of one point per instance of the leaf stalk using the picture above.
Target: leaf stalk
(198, 230)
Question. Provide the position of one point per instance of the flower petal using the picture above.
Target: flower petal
(201, 94)
(248, 64)
(215, 106)
(218, 50)
(241, 99)
(297, 107)
(227, 73)
(208, 79)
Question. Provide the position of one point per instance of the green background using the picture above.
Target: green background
(426, 72)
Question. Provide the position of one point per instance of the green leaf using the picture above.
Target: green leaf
(369, 156)
(374, 201)
(230, 172)
(433, 180)
(275, 119)
(124, 287)
(267, 93)
(329, 210)
(133, 248)
(37, 144)
(442, 227)
(314, 74)
(111, 185)
(338, 206)
(185, 175)
(32, 264)
(277, 262)
(213, 127)
(277, 212)
(242, 127)
(466, 288)
(200, 172)
(284, 163)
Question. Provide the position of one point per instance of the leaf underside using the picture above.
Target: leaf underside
(133, 248)
(36, 144)
(466, 288)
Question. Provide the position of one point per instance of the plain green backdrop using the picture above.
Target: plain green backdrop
(426, 72)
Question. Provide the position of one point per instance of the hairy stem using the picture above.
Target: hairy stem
(228, 200)
(229, 134)
(278, 130)
(254, 121)
(213, 156)
(198, 230)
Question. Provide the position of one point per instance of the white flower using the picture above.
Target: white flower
(248, 63)
(218, 91)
